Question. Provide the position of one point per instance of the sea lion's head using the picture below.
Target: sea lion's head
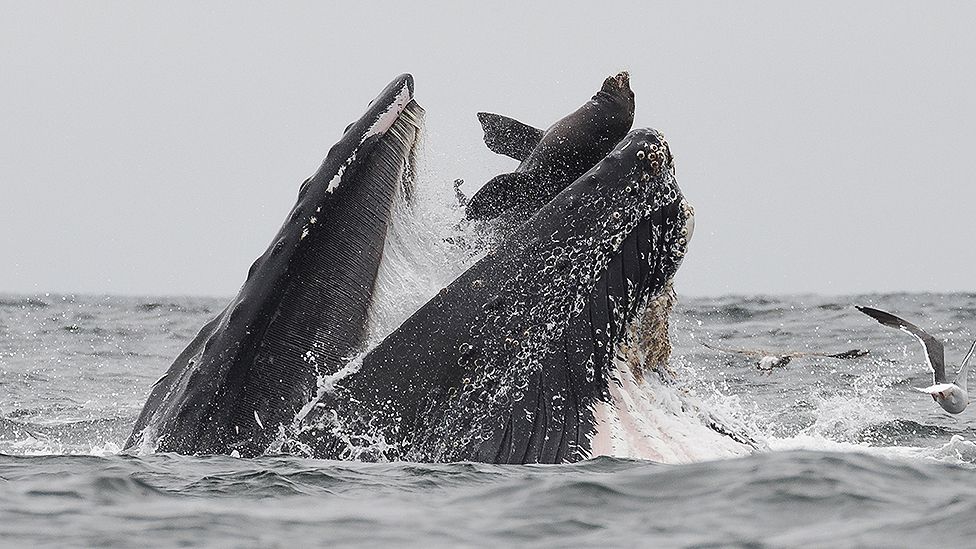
(618, 84)
(617, 89)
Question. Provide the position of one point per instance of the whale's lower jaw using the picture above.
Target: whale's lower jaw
(303, 307)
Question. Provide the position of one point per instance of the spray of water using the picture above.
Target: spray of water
(427, 246)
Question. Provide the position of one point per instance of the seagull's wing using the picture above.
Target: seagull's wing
(853, 353)
(934, 351)
(746, 352)
(963, 376)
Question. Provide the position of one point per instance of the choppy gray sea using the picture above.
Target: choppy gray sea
(856, 457)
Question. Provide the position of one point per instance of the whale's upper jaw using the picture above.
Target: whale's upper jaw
(640, 172)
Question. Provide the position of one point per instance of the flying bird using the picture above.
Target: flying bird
(767, 360)
(953, 397)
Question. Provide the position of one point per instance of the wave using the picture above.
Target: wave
(788, 498)
(23, 302)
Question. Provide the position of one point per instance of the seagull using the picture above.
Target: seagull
(767, 360)
(951, 396)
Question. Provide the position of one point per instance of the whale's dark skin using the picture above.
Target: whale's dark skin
(507, 364)
(552, 159)
(302, 309)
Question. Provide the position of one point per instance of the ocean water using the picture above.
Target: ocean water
(852, 455)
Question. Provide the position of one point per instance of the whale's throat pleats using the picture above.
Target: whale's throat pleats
(320, 319)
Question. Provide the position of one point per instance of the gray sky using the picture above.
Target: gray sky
(826, 147)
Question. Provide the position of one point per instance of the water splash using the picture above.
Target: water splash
(428, 245)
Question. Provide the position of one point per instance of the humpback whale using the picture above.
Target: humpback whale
(510, 362)
(302, 309)
(551, 159)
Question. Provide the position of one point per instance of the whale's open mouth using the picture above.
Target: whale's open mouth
(302, 309)
(508, 363)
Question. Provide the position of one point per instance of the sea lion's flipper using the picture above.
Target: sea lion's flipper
(499, 195)
(508, 136)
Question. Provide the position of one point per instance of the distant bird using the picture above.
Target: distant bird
(951, 396)
(767, 360)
